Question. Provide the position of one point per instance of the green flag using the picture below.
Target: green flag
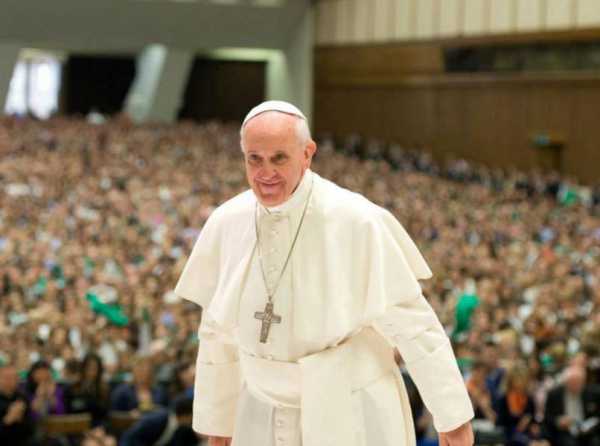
(467, 303)
(102, 299)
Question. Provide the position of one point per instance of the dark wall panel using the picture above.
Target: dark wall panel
(96, 82)
(585, 134)
(223, 90)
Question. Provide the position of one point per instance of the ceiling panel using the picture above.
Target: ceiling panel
(113, 25)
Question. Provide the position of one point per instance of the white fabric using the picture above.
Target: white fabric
(354, 268)
(280, 106)
(321, 385)
(574, 406)
(341, 229)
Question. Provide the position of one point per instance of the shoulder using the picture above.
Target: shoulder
(233, 208)
(160, 416)
(149, 427)
(592, 391)
(339, 203)
(123, 389)
(557, 392)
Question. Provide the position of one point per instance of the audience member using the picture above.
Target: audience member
(16, 423)
(164, 427)
(572, 414)
(141, 394)
(516, 411)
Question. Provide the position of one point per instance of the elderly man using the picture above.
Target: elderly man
(307, 288)
(572, 411)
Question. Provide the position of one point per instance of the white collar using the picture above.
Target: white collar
(296, 199)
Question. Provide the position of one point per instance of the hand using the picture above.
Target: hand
(40, 390)
(45, 390)
(523, 423)
(15, 412)
(461, 436)
(144, 397)
(50, 389)
(219, 441)
(565, 422)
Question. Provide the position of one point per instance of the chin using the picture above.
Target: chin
(271, 199)
(270, 202)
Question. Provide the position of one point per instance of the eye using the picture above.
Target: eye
(280, 158)
(253, 159)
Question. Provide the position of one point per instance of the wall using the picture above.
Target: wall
(379, 71)
(398, 93)
(342, 22)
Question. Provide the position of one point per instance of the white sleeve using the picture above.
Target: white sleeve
(217, 383)
(415, 330)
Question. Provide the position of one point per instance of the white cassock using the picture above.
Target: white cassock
(326, 376)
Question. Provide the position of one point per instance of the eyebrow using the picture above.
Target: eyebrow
(275, 155)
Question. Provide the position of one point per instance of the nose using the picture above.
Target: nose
(267, 172)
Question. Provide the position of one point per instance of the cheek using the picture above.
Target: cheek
(251, 172)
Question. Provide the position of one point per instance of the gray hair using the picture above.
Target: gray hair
(302, 129)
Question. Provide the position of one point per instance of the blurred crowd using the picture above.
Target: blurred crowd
(97, 220)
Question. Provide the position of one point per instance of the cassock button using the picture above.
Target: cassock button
(279, 423)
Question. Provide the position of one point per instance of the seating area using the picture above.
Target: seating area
(520, 268)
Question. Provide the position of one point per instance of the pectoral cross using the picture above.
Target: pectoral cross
(267, 317)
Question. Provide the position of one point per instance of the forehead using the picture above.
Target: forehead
(8, 371)
(270, 131)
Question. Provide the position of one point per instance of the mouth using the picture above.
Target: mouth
(269, 187)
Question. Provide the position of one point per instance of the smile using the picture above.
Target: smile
(265, 183)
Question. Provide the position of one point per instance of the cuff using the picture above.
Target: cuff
(216, 392)
(442, 388)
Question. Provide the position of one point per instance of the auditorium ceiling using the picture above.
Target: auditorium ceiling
(128, 25)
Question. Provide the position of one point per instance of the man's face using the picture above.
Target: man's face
(491, 356)
(275, 158)
(575, 379)
(9, 380)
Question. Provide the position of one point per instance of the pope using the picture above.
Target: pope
(307, 289)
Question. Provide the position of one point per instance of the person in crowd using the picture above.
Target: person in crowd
(89, 392)
(45, 396)
(185, 373)
(165, 427)
(480, 394)
(16, 423)
(572, 413)
(141, 394)
(516, 411)
(495, 372)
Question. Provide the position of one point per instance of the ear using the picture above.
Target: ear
(309, 150)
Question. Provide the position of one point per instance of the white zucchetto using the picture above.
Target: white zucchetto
(280, 106)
